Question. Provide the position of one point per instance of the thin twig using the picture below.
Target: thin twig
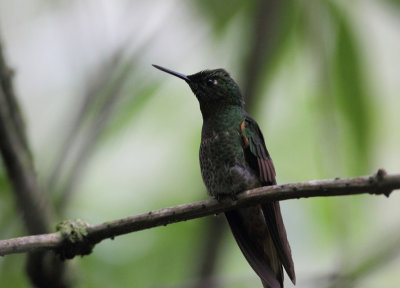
(92, 134)
(380, 183)
(96, 84)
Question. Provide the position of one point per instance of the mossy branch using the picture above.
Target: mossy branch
(78, 238)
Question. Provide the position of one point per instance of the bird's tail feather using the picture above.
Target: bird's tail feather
(250, 230)
(273, 218)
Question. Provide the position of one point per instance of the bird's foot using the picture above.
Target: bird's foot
(222, 197)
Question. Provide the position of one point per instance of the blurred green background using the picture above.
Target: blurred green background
(112, 136)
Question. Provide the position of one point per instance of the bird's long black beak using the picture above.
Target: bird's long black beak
(179, 75)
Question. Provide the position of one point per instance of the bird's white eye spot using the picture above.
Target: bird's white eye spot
(211, 81)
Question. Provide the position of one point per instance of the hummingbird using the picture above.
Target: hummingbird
(234, 158)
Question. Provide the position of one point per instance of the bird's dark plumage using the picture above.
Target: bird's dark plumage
(234, 158)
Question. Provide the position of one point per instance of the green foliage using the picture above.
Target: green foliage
(221, 13)
(351, 95)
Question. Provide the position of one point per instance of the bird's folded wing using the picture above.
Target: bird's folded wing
(259, 159)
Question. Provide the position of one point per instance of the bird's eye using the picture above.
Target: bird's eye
(211, 81)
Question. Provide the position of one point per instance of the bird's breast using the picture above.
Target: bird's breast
(222, 162)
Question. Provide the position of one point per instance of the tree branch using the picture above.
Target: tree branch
(10, 100)
(43, 268)
(17, 157)
(379, 183)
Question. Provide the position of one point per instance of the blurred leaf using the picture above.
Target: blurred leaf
(331, 46)
(272, 26)
(395, 3)
(350, 93)
(220, 13)
(286, 27)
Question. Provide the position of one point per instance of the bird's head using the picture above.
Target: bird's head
(211, 87)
